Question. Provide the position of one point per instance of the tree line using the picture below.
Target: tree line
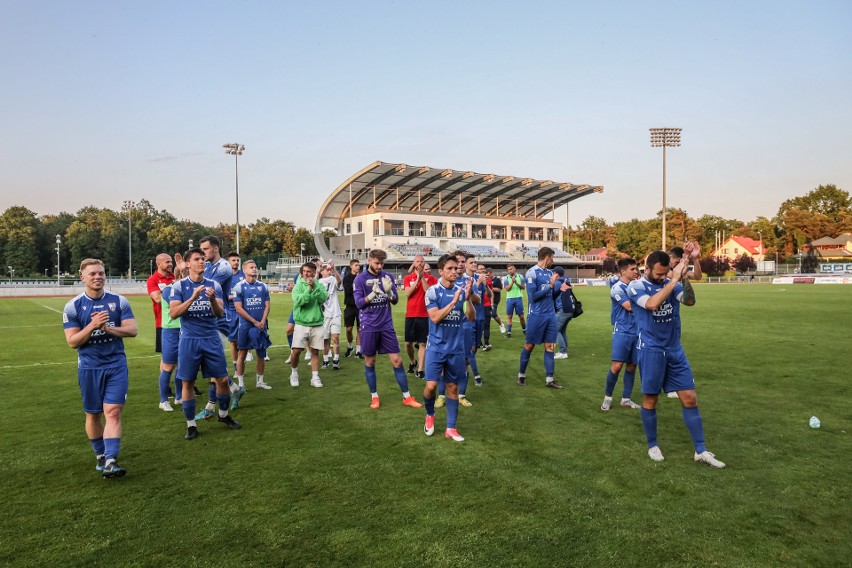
(28, 241)
(824, 211)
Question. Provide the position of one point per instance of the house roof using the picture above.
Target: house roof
(834, 253)
(601, 251)
(828, 241)
(750, 245)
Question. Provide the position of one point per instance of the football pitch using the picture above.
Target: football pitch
(544, 478)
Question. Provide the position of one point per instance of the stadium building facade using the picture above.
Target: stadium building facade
(409, 210)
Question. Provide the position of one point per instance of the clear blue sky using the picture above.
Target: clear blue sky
(107, 101)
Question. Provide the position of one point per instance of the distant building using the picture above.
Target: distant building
(600, 253)
(412, 210)
(840, 247)
(737, 246)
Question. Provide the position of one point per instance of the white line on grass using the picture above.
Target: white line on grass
(74, 362)
(51, 309)
(35, 325)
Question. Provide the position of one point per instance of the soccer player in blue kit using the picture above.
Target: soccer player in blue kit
(220, 271)
(374, 291)
(198, 302)
(623, 337)
(445, 357)
(251, 304)
(541, 323)
(95, 323)
(656, 300)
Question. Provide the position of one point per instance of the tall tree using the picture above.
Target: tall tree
(19, 240)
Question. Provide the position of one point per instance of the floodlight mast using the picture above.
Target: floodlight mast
(236, 150)
(128, 206)
(665, 138)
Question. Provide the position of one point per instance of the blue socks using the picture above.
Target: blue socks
(188, 409)
(509, 328)
(463, 385)
(430, 406)
(224, 401)
(211, 394)
(98, 444)
(400, 376)
(611, 379)
(649, 423)
(629, 379)
(474, 366)
(111, 446)
(452, 412)
(692, 419)
(525, 360)
(548, 363)
(370, 372)
(165, 379)
(442, 388)
(290, 340)
(178, 388)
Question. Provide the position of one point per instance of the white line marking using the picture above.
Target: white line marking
(51, 309)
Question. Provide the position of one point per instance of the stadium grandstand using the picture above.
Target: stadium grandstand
(409, 210)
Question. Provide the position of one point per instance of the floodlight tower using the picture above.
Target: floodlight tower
(58, 250)
(128, 206)
(667, 138)
(236, 150)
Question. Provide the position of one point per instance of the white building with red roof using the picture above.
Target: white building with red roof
(737, 246)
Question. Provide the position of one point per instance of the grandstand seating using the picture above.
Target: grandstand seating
(483, 251)
(409, 250)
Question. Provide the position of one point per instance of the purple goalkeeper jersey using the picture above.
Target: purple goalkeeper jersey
(375, 315)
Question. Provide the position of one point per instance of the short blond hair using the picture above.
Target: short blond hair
(249, 261)
(88, 262)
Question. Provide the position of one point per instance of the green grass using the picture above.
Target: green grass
(544, 478)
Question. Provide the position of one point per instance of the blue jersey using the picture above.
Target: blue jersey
(232, 282)
(102, 350)
(221, 273)
(253, 298)
(479, 290)
(623, 321)
(658, 330)
(199, 321)
(612, 280)
(539, 291)
(446, 336)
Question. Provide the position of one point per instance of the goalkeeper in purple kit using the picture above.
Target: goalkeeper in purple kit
(375, 292)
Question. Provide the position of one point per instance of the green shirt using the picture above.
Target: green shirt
(515, 291)
(168, 322)
(307, 303)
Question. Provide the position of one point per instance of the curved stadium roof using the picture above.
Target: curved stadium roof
(399, 187)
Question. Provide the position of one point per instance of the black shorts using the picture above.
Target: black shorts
(350, 316)
(495, 301)
(158, 343)
(416, 329)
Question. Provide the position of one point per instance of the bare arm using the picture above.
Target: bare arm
(411, 289)
(156, 296)
(688, 298)
(128, 328)
(77, 337)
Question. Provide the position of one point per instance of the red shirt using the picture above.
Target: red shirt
(156, 282)
(416, 306)
(486, 301)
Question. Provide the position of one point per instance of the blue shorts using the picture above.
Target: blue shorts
(541, 329)
(244, 341)
(624, 348)
(233, 324)
(515, 306)
(206, 354)
(223, 325)
(447, 367)
(171, 339)
(102, 386)
(291, 319)
(665, 371)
